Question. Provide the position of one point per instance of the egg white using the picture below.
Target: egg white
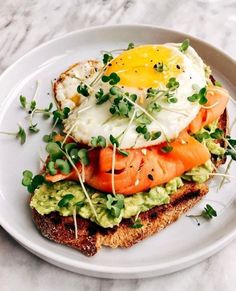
(88, 119)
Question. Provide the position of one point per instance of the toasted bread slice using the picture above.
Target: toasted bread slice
(92, 237)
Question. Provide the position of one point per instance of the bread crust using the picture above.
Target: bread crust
(92, 237)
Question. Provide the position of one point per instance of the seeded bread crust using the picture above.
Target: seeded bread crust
(92, 237)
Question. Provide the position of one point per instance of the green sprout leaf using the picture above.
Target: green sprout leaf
(101, 97)
(27, 178)
(83, 90)
(200, 96)
(154, 107)
(152, 93)
(49, 137)
(217, 134)
(33, 105)
(54, 151)
(33, 128)
(60, 115)
(51, 168)
(74, 154)
(113, 79)
(201, 136)
(130, 46)
(21, 135)
(167, 149)
(115, 204)
(64, 202)
(141, 129)
(116, 91)
(209, 212)
(79, 204)
(172, 84)
(231, 151)
(107, 57)
(47, 111)
(184, 45)
(31, 182)
(137, 223)
(155, 135)
(23, 101)
(69, 146)
(123, 152)
(114, 141)
(83, 155)
(193, 98)
(63, 166)
(143, 119)
(98, 141)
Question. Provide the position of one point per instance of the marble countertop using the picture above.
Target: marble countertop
(26, 24)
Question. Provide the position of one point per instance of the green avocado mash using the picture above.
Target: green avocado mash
(199, 174)
(47, 196)
(213, 147)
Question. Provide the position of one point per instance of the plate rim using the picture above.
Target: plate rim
(100, 269)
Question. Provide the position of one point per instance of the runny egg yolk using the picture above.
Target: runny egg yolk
(136, 67)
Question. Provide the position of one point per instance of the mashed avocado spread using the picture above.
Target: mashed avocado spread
(48, 196)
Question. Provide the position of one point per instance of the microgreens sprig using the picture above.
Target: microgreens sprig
(57, 153)
(231, 148)
(107, 57)
(167, 148)
(101, 97)
(114, 141)
(57, 150)
(172, 85)
(217, 134)
(112, 79)
(83, 89)
(200, 97)
(31, 108)
(98, 141)
(121, 106)
(115, 204)
(184, 45)
(130, 46)
(32, 182)
(49, 137)
(20, 134)
(146, 134)
(208, 213)
(59, 115)
(64, 202)
(137, 224)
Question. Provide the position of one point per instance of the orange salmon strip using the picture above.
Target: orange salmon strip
(217, 98)
(142, 168)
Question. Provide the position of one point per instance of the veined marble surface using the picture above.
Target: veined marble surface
(26, 24)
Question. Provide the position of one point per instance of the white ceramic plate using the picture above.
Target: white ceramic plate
(178, 246)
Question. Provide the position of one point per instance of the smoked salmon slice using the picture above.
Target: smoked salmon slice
(142, 168)
(217, 100)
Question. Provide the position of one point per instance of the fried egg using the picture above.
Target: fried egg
(137, 71)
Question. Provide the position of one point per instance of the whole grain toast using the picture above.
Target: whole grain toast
(92, 237)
